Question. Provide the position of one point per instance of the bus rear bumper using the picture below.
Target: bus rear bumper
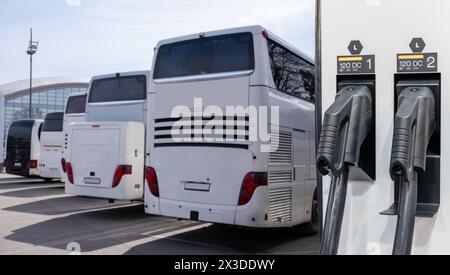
(254, 214)
(119, 193)
(50, 173)
(199, 212)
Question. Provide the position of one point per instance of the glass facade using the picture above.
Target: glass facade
(47, 101)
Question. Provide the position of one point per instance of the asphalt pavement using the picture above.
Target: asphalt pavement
(37, 217)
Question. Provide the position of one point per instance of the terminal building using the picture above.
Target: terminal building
(49, 95)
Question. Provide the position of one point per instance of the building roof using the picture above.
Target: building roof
(40, 84)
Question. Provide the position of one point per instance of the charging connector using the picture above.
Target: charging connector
(346, 126)
(415, 123)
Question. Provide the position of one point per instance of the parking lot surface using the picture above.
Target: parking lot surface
(38, 218)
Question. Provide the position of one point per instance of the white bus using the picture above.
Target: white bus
(232, 181)
(52, 142)
(105, 157)
(75, 111)
(23, 148)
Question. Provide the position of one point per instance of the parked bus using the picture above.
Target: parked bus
(232, 181)
(105, 157)
(52, 141)
(23, 148)
(75, 111)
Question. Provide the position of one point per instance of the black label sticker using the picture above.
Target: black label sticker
(356, 64)
(417, 63)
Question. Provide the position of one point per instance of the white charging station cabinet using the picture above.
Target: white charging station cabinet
(392, 40)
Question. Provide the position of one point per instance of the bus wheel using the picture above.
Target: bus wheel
(312, 227)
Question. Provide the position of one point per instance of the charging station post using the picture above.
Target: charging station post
(406, 154)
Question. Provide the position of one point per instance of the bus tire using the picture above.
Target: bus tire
(312, 227)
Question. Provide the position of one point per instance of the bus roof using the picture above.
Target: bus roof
(146, 73)
(27, 120)
(77, 94)
(256, 29)
(56, 115)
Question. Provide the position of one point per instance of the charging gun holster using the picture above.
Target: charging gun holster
(346, 125)
(415, 123)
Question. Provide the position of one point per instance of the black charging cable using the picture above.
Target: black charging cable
(346, 125)
(415, 122)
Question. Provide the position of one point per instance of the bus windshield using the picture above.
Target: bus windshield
(122, 88)
(216, 54)
(53, 122)
(20, 133)
(76, 105)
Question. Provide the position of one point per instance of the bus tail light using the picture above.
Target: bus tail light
(121, 171)
(251, 182)
(69, 172)
(5, 163)
(152, 181)
(32, 164)
(63, 165)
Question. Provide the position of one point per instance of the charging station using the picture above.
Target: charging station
(384, 179)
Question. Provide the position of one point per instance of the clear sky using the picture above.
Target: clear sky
(82, 38)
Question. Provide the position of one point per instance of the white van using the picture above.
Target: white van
(232, 180)
(105, 157)
(52, 142)
(23, 148)
(75, 111)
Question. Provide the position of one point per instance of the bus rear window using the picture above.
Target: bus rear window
(123, 88)
(20, 133)
(53, 122)
(209, 55)
(76, 105)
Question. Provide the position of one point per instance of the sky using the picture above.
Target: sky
(83, 38)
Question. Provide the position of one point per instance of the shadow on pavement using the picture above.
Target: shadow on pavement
(223, 240)
(63, 205)
(6, 185)
(55, 190)
(92, 230)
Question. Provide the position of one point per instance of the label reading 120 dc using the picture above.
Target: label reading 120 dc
(360, 64)
(417, 63)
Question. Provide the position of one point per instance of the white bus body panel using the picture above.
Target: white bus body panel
(36, 146)
(69, 119)
(97, 149)
(51, 153)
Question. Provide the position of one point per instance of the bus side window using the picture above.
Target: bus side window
(291, 73)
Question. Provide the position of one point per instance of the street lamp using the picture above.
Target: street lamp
(32, 49)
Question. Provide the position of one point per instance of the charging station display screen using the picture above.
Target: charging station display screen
(417, 63)
(361, 64)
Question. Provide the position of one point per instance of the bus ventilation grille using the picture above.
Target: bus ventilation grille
(280, 205)
(281, 147)
(280, 177)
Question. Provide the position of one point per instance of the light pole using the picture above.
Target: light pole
(32, 49)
